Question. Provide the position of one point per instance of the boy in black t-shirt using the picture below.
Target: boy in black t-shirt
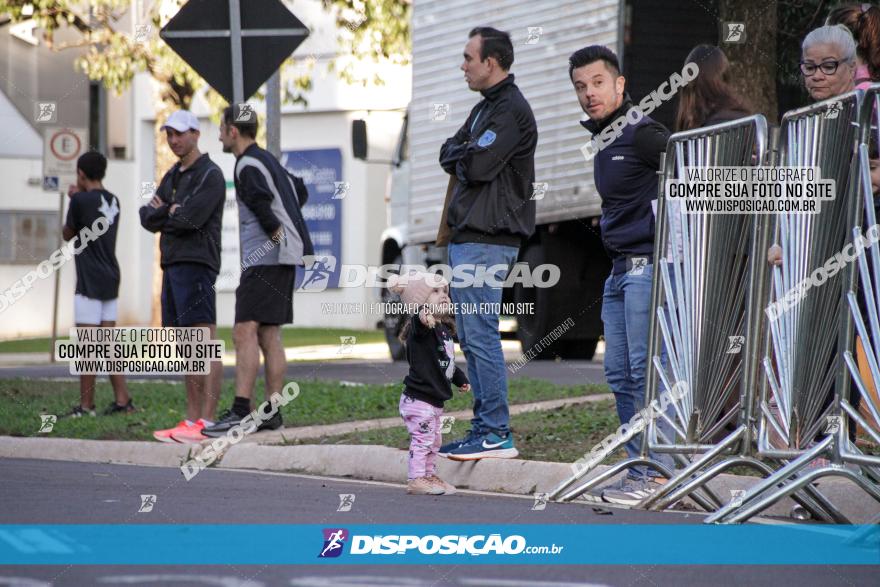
(431, 357)
(97, 271)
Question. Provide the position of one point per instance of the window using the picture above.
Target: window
(27, 237)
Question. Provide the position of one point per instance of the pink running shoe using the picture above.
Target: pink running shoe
(165, 435)
(191, 435)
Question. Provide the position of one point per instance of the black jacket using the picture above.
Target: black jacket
(625, 173)
(726, 115)
(192, 233)
(493, 157)
(269, 197)
(429, 352)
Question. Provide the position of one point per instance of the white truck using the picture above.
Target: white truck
(545, 33)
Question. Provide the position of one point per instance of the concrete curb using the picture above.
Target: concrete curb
(95, 451)
(383, 463)
(511, 476)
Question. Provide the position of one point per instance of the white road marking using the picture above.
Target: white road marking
(521, 583)
(166, 579)
(22, 582)
(359, 581)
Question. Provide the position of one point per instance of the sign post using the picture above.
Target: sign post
(57, 279)
(273, 114)
(61, 148)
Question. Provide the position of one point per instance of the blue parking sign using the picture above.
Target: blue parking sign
(321, 170)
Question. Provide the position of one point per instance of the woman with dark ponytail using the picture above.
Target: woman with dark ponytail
(709, 99)
(863, 20)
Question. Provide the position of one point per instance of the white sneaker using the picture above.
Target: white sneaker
(423, 486)
(631, 493)
(595, 495)
(448, 488)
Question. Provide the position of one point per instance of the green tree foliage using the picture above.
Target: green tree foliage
(114, 52)
(377, 30)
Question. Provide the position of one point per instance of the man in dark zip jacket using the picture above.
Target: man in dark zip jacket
(626, 157)
(491, 211)
(187, 210)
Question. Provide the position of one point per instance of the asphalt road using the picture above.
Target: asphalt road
(360, 371)
(77, 493)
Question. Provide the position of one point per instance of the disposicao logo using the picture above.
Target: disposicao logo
(334, 540)
(433, 544)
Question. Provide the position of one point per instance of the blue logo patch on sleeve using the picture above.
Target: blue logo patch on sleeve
(486, 139)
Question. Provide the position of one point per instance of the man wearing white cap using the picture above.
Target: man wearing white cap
(187, 210)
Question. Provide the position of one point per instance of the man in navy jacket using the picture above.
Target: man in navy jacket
(626, 150)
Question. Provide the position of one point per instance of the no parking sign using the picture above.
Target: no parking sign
(61, 148)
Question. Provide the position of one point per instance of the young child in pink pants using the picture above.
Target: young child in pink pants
(427, 336)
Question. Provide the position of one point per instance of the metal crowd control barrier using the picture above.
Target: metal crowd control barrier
(711, 323)
(868, 281)
(702, 326)
(805, 346)
(696, 320)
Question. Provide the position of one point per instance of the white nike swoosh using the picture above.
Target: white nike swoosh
(496, 445)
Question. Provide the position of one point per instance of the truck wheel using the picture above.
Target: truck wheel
(393, 323)
(531, 328)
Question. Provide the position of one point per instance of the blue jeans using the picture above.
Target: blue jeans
(626, 315)
(478, 331)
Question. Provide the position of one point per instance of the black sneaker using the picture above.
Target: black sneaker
(228, 420)
(273, 423)
(79, 412)
(115, 408)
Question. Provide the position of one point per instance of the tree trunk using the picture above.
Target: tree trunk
(753, 63)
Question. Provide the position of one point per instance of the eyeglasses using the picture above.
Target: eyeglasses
(827, 67)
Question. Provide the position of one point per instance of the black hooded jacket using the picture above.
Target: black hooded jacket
(493, 157)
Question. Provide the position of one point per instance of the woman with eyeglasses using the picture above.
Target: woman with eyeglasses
(828, 66)
(863, 21)
(828, 62)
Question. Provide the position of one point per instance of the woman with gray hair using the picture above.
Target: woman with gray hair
(828, 62)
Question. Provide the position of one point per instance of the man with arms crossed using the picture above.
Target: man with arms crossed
(492, 157)
(188, 210)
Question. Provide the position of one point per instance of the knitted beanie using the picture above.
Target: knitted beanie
(416, 286)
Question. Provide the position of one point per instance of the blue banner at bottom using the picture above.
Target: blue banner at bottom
(149, 544)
